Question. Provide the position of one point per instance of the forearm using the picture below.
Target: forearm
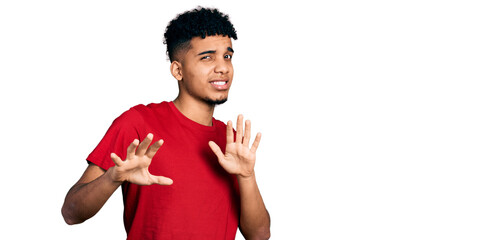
(84, 200)
(254, 218)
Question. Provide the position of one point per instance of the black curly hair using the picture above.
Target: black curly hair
(199, 22)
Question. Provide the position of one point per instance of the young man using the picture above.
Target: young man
(184, 174)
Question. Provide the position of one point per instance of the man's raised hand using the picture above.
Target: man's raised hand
(135, 168)
(239, 159)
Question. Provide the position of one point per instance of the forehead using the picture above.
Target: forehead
(218, 42)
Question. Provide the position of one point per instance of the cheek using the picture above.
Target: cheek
(230, 69)
(201, 72)
(194, 74)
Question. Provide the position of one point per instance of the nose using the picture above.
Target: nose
(223, 66)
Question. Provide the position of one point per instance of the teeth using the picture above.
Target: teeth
(220, 83)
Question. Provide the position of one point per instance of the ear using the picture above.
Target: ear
(176, 70)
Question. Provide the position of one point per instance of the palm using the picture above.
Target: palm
(238, 159)
(135, 168)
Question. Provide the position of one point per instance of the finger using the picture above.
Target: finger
(143, 146)
(161, 180)
(152, 150)
(229, 132)
(256, 143)
(216, 149)
(116, 159)
(238, 139)
(131, 150)
(247, 134)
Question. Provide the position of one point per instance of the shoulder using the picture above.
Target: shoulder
(146, 111)
(218, 123)
(151, 106)
(143, 108)
(220, 126)
(137, 114)
(130, 116)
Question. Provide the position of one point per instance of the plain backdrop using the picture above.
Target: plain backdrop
(380, 119)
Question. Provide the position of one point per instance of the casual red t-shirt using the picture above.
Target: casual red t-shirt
(203, 201)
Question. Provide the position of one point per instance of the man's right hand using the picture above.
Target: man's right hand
(135, 168)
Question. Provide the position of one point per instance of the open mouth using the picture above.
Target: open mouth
(220, 84)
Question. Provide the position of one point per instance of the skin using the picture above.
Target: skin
(207, 60)
(196, 69)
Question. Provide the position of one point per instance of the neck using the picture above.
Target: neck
(196, 110)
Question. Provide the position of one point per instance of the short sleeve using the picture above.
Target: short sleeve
(119, 136)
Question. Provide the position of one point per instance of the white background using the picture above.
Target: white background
(380, 119)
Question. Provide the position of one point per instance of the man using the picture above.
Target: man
(184, 174)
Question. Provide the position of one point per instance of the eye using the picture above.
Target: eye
(205, 57)
(228, 56)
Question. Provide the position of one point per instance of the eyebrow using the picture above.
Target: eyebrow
(214, 51)
(206, 52)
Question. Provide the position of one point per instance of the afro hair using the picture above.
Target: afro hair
(199, 22)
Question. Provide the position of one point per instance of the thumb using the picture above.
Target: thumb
(215, 148)
(161, 180)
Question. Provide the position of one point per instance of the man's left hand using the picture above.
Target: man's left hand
(239, 159)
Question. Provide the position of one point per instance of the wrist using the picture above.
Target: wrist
(246, 178)
(113, 176)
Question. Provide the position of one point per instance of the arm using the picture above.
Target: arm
(88, 195)
(96, 185)
(254, 218)
(240, 160)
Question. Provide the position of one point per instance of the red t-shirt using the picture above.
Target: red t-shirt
(203, 201)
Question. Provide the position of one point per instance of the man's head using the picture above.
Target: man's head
(200, 50)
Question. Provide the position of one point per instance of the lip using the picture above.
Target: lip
(220, 84)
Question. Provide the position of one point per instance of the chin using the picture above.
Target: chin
(215, 101)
